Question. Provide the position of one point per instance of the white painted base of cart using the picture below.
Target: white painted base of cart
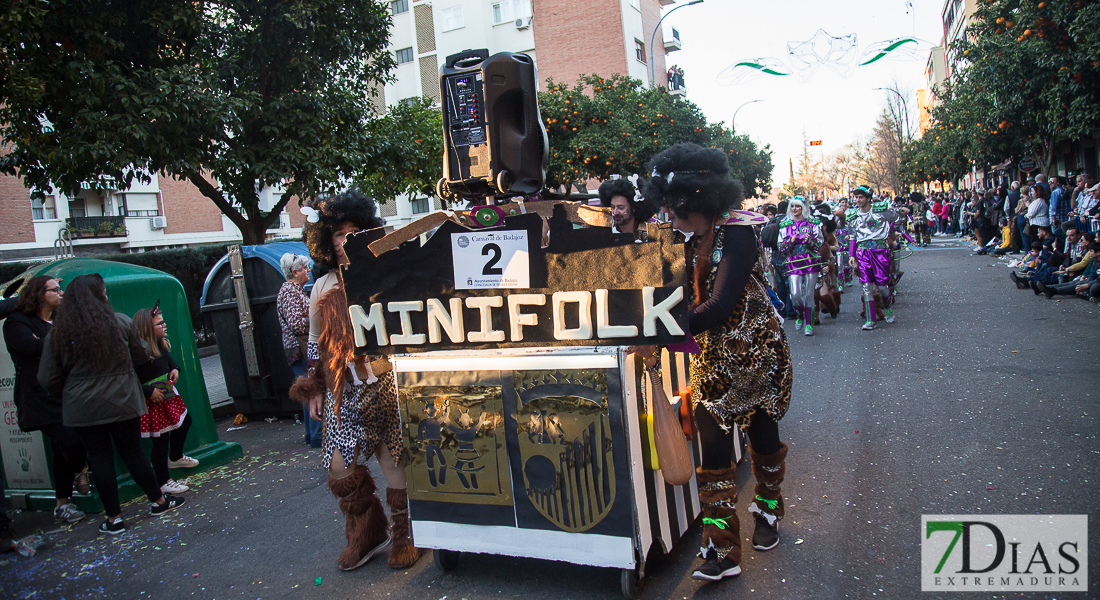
(576, 548)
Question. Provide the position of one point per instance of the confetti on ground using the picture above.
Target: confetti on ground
(798, 541)
(317, 581)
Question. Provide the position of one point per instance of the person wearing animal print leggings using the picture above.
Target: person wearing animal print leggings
(741, 376)
(800, 239)
(354, 397)
(870, 225)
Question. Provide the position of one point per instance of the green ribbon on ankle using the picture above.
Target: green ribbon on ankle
(771, 503)
(719, 523)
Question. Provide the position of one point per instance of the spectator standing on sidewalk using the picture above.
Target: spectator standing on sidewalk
(88, 361)
(25, 333)
(166, 421)
(292, 304)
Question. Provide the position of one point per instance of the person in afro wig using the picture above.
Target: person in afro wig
(355, 397)
(742, 373)
(629, 210)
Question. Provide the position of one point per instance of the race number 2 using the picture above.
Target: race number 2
(491, 260)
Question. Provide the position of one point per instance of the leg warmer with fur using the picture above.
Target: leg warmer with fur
(769, 471)
(365, 520)
(718, 496)
(403, 552)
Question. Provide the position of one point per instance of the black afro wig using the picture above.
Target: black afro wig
(348, 207)
(688, 178)
(643, 210)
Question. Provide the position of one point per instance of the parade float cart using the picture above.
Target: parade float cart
(524, 417)
(130, 287)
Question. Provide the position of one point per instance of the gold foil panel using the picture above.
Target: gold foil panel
(565, 445)
(455, 448)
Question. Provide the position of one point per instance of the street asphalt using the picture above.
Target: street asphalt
(980, 399)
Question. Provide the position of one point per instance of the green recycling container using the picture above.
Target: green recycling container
(130, 288)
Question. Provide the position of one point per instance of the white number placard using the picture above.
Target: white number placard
(491, 260)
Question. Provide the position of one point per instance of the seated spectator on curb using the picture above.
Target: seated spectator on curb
(1082, 282)
(1032, 264)
(1003, 244)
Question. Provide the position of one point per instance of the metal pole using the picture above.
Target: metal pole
(903, 106)
(652, 66)
(733, 121)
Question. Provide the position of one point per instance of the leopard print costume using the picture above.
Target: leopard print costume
(744, 364)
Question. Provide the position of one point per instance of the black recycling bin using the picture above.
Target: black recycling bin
(250, 342)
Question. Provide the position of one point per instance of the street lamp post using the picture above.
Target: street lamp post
(733, 121)
(903, 107)
(652, 65)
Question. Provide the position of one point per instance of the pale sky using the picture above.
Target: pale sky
(829, 107)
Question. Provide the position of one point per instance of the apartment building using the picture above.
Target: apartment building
(566, 39)
(163, 213)
(955, 17)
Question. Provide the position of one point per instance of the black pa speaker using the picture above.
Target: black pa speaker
(494, 140)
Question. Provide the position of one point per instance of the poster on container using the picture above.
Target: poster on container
(25, 465)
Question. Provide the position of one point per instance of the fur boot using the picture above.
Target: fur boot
(403, 552)
(767, 504)
(365, 521)
(718, 496)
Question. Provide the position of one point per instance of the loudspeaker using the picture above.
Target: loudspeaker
(494, 140)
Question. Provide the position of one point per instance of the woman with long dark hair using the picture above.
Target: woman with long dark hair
(88, 361)
(354, 396)
(25, 333)
(166, 421)
(742, 375)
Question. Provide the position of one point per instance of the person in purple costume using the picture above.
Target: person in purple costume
(869, 252)
(800, 239)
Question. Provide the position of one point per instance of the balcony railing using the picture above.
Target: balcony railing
(96, 227)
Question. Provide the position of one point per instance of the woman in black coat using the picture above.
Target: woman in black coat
(24, 333)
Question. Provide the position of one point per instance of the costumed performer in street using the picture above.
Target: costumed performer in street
(355, 397)
(800, 240)
(870, 226)
(742, 375)
(827, 296)
(630, 211)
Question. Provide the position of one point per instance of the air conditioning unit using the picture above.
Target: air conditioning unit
(523, 23)
(158, 222)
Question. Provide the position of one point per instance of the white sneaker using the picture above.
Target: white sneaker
(868, 326)
(68, 513)
(173, 487)
(185, 462)
(890, 316)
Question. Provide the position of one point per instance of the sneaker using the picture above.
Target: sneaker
(1048, 292)
(1020, 284)
(798, 324)
(185, 462)
(714, 569)
(112, 527)
(868, 326)
(765, 536)
(889, 315)
(68, 513)
(170, 503)
(173, 487)
(1034, 285)
(82, 482)
(809, 330)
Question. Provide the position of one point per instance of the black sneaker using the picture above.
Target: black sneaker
(112, 527)
(765, 537)
(170, 503)
(1020, 285)
(1035, 287)
(714, 569)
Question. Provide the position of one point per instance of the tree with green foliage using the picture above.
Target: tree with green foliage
(607, 125)
(413, 163)
(232, 96)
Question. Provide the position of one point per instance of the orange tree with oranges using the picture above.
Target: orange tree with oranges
(613, 125)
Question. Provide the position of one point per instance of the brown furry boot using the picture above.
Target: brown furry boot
(721, 546)
(365, 521)
(403, 553)
(767, 505)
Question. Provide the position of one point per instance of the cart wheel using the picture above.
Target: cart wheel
(630, 582)
(446, 560)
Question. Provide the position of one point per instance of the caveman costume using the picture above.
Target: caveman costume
(868, 244)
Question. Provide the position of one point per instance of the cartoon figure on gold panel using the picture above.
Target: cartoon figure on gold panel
(565, 445)
(457, 429)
